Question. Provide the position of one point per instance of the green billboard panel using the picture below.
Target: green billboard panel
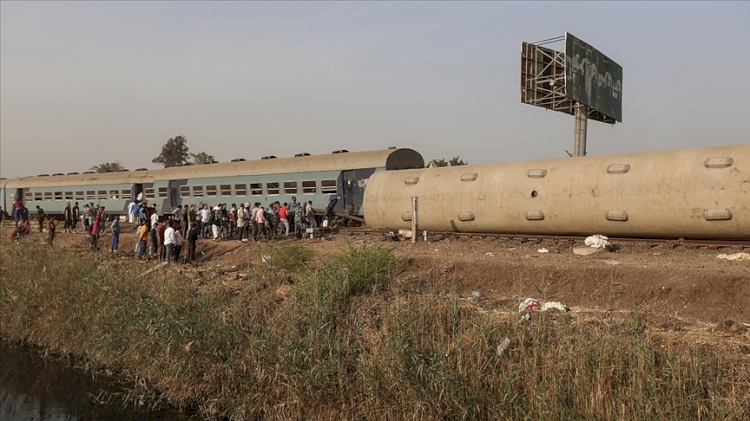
(593, 79)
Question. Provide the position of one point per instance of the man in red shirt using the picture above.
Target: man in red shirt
(284, 218)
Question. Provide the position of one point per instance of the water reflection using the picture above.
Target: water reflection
(33, 388)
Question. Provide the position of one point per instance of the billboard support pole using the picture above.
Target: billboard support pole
(581, 122)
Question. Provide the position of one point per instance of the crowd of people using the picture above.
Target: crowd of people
(163, 237)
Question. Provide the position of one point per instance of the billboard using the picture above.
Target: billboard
(581, 74)
(593, 79)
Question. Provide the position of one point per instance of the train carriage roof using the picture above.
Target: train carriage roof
(105, 178)
(390, 159)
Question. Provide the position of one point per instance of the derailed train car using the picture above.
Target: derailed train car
(308, 177)
(701, 193)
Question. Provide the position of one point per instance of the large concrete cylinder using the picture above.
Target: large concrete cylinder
(686, 193)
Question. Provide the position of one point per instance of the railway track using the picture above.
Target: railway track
(556, 239)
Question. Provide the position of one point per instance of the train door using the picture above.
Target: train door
(353, 190)
(138, 193)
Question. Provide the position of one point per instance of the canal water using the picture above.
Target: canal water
(37, 388)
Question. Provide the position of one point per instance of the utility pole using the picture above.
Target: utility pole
(581, 122)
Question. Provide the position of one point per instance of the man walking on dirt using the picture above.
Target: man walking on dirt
(40, 217)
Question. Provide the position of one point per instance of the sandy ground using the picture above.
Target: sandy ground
(673, 288)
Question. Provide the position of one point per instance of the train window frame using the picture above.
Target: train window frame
(197, 191)
(328, 189)
(80, 195)
(149, 193)
(90, 195)
(126, 194)
(309, 190)
(48, 196)
(272, 188)
(163, 192)
(58, 195)
(290, 187)
(225, 190)
(101, 194)
(114, 194)
(256, 189)
(38, 196)
(185, 191)
(211, 190)
(68, 195)
(240, 189)
(28, 196)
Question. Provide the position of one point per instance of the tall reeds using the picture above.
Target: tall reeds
(348, 339)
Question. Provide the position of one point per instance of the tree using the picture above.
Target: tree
(202, 158)
(456, 160)
(108, 167)
(173, 153)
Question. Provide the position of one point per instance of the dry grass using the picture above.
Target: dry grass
(349, 340)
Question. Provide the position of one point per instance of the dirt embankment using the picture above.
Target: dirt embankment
(674, 287)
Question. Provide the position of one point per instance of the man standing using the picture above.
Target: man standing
(142, 239)
(132, 212)
(284, 218)
(311, 222)
(40, 217)
(68, 217)
(169, 241)
(192, 238)
(76, 216)
(115, 235)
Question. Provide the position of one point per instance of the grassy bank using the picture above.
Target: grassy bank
(356, 337)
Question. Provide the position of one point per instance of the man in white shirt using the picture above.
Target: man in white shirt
(169, 241)
(132, 212)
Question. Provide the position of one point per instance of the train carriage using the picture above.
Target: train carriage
(308, 177)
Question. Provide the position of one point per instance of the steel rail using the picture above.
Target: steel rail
(571, 239)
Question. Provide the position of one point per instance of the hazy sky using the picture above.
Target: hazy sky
(83, 83)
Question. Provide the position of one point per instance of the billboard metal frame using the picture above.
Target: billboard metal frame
(544, 80)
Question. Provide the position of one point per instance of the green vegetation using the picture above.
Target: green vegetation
(348, 339)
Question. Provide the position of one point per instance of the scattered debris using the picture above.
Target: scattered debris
(265, 258)
(554, 305)
(529, 304)
(476, 294)
(610, 262)
(597, 241)
(735, 256)
(543, 250)
(525, 318)
(502, 346)
(489, 253)
(746, 324)
(512, 249)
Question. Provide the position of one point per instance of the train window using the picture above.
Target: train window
(328, 186)
(68, 195)
(80, 195)
(58, 195)
(197, 191)
(240, 189)
(127, 194)
(47, 196)
(90, 195)
(102, 195)
(309, 187)
(226, 189)
(28, 196)
(38, 196)
(163, 192)
(211, 191)
(184, 191)
(149, 193)
(114, 194)
(256, 189)
(272, 188)
(290, 187)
